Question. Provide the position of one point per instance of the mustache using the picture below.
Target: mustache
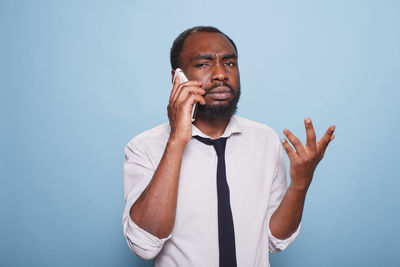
(209, 89)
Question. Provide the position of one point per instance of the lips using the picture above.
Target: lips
(220, 93)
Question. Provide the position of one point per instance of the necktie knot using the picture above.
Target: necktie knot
(219, 144)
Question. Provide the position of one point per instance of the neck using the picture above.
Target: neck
(212, 128)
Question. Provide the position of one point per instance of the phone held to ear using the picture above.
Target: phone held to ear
(182, 79)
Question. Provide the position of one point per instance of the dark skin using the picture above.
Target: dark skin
(208, 59)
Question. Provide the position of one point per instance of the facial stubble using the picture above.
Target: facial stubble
(220, 111)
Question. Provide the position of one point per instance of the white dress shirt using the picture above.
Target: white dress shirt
(256, 175)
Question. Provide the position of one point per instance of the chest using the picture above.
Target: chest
(249, 172)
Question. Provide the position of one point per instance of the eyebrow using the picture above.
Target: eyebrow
(208, 56)
(203, 56)
(229, 56)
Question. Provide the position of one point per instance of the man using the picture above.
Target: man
(190, 202)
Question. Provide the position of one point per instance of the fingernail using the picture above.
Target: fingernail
(283, 140)
(285, 130)
(333, 127)
(307, 120)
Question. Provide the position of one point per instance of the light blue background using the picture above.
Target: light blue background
(79, 79)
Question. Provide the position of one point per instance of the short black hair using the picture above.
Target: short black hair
(177, 46)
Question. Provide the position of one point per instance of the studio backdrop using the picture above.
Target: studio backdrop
(79, 79)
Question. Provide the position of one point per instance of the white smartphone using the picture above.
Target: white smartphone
(182, 78)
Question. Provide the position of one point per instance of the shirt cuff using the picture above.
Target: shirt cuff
(141, 242)
(276, 245)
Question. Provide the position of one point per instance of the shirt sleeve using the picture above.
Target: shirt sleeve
(138, 172)
(279, 187)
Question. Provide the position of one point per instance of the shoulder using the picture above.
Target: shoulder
(152, 137)
(250, 127)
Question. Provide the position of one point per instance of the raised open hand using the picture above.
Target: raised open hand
(305, 158)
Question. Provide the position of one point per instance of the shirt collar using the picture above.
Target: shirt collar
(233, 127)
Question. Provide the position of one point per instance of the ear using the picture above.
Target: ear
(172, 75)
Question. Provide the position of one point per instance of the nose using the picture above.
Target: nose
(219, 73)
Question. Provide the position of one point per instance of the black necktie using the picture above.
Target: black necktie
(226, 233)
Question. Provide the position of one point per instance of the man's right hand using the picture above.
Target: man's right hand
(183, 97)
(155, 209)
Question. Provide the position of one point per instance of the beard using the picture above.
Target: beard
(218, 112)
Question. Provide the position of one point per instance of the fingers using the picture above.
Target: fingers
(186, 91)
(187, 97)
(192, 86)
(187, 104)
(326, 139)
(288, 148)
(311, 138)
(196, 98)
(322, 153)
(174, 88)
(294, 140)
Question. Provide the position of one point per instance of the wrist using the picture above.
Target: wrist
(176, 142)
(296, 188)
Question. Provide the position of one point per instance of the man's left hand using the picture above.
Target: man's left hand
(305, 158)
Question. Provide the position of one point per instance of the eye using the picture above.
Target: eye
(202, 65)
(230, 63)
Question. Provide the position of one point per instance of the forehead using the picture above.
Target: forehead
(206, 42)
